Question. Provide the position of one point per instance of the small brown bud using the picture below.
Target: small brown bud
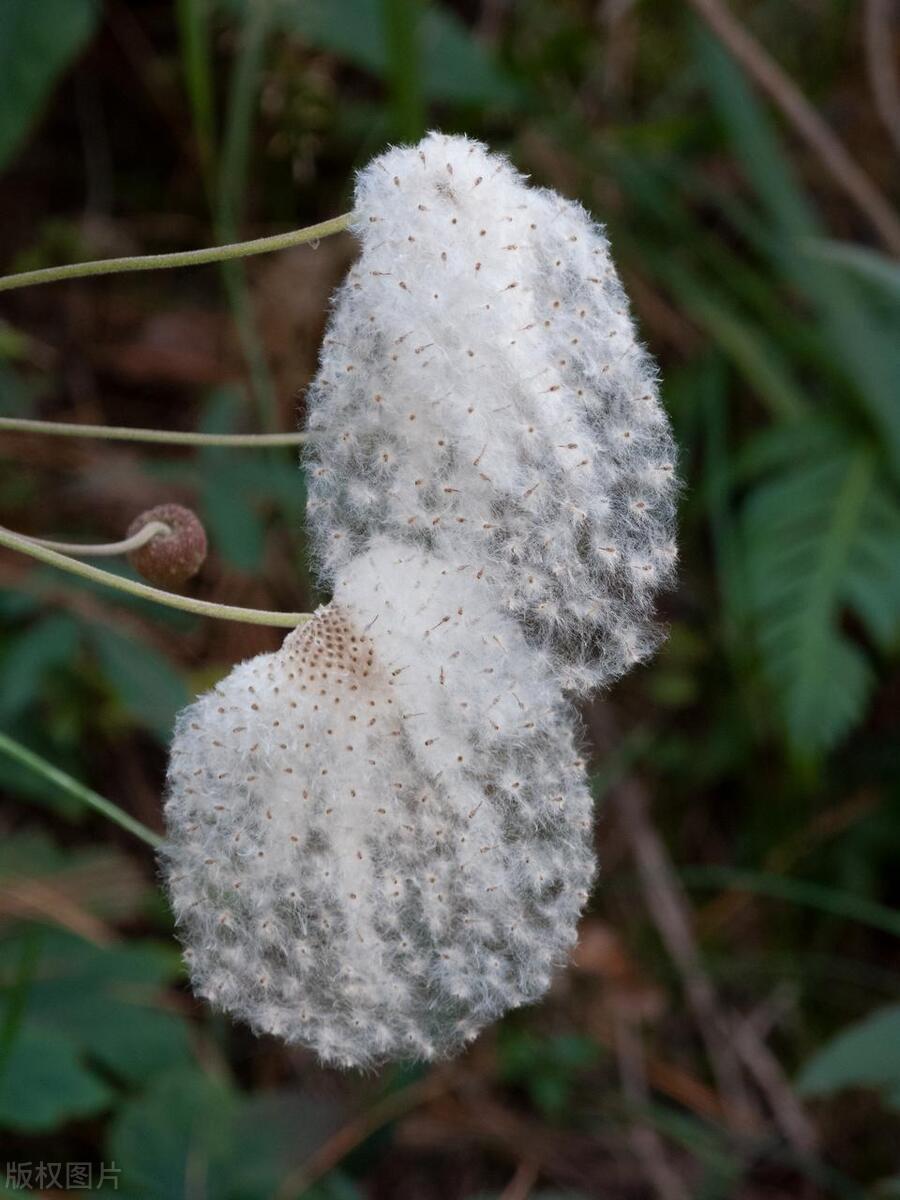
(170, 559)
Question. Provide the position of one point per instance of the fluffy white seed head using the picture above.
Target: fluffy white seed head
(379, 837)
(481, 395)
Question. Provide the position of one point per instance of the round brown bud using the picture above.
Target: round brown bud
(170, 559)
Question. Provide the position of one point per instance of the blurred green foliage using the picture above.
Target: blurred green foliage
(767, 726)
(547, 1067)
(37, 43)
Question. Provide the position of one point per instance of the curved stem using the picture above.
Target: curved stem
(186, 258)
(80, 791)
(104, 549)
(171, 437)
(203, 608)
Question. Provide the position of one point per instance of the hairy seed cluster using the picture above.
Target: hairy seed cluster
(380, 835)
(481, 395)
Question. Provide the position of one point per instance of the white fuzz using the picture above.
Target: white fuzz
(380, 836)
(481, 395)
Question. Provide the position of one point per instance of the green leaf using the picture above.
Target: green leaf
(547, 1067)
(276, 480)
(228, 500)
(149, 688)
(401, 21)
(193, 18)
(44, 1083)
(16, 998)
(866, 1054)
(235, 529)
(108, 1001)
(454, 66)
(39, 39)
(181, 1129)
(855, 337)
(757, 357)
(44, 647)
(193, 1129)
(868, 265)
(819, 536)
(753, 137)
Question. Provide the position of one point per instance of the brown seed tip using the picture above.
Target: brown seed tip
(170, 559)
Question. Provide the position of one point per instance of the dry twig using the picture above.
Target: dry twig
(647, 1143)
(782, 90)
(670, 912)
(881, 62)
(355, 1132)
(775, 1086)
(522, 1183)
(728, 1051)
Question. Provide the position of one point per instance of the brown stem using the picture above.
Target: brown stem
(647, 1143)
(881, 63)
(668, 907)
(782, 90)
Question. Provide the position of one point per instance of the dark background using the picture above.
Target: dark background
(730, 1026)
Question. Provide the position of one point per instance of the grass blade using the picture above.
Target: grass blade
(80, 791)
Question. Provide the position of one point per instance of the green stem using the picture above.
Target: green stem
(234, 170)
(193, 17)
(401, 20)
(185, 258)
(170, 437)
(105, 549)
(203, 608)
(72, 787)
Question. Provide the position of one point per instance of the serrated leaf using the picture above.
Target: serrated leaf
(44, 1083)
(816, 541)
(866, 1054)
(38, 41)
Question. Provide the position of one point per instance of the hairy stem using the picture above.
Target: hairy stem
(80, 791)
(203, 608)
(185, 258)
(169, 437)
(104, 549)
